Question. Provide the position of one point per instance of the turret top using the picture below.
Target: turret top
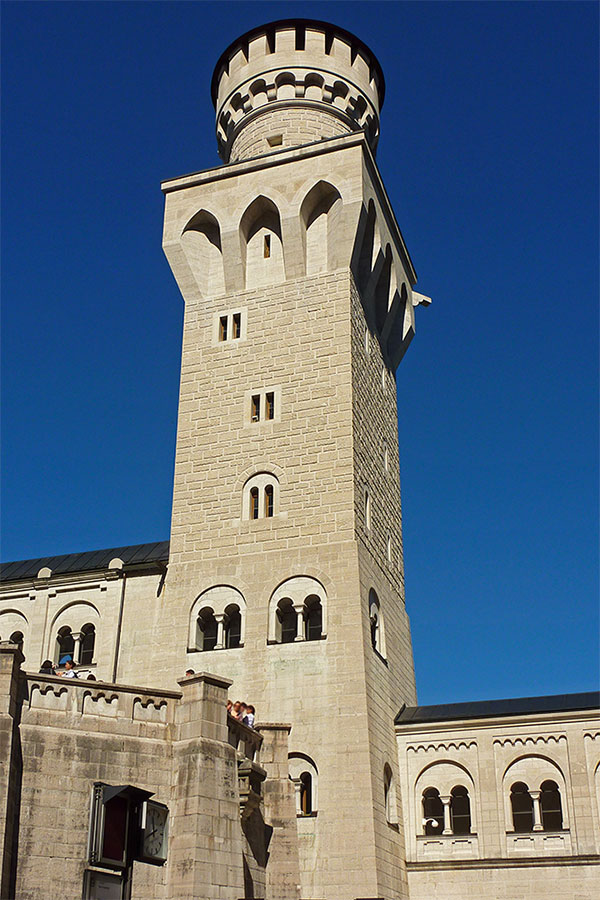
(291, 83)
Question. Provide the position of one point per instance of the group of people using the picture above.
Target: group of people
(48, 668)
(243, 712)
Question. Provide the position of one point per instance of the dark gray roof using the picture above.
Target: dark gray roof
(136, 555)
(481, 709)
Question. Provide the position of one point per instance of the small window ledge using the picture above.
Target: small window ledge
(311, 815)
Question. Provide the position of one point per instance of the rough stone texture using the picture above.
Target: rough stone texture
(295, 126)
(67, 734)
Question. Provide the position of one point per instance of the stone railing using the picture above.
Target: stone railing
(246, 740)
(71, 696)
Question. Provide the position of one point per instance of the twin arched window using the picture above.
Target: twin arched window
(302, 623)
(217, 620)
(77, 646)
(449, 814)
(298, 611)
(260, 497)
(536, 810)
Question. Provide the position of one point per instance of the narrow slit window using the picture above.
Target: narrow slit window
(267, 246)
(223, 328)
(269, 501)
(255, 408)
(270, 406)
(237, 326)
(254, 503)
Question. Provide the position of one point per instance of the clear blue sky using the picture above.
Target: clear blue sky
(489, 154)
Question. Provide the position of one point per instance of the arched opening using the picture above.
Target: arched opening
(88, 642)
(288, 621)
(382, 291)
(269, 501)
(254, 503)
(522, 807)
(306, 793)
(376, 624)
(304, 775)
(17, 638)
(433, 812)
(551, 808)
(262, 250)
(313, 621)
(65, 645)
(233, 627)
(207, 630)
(389, 794)
(460, 810)
(201, 242)
(320, 213)
(368, 248)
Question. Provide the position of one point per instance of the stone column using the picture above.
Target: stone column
(206, 836)
(537, 811)
(447, 820)
(220, 619)
(299, 609)
(283, 867)
(298, 795)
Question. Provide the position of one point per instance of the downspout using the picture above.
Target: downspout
(119, 625)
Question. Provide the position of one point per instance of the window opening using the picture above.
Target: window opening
(88, 641)
(237, 325)
(255, 411)
(270, 405)
(269, 501)
(276, 140)
(289, 622)
(207, 626)
(306, 793)
(522, 807)
(65, 645)
(367, 510)
(313, 622)
(460, 810)
(254, 503)
(267, 246)
(233, 629)
(389, 548)
(551, 806)
(223, 328)
(433, 811)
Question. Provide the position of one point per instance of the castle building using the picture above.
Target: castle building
(283, 577)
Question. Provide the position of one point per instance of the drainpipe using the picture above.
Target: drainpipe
(119, 624)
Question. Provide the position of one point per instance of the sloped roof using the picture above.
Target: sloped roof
(481, 709)
(91, 560)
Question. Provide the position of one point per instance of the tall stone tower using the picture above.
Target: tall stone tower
(286, 571)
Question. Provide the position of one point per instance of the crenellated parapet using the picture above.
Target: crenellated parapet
(292, 83)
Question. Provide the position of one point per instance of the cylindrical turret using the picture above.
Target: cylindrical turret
(292, 83)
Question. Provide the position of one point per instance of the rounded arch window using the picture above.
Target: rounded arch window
(376, 624)
(551, 808)
(433, 811)
(313, 620)
(88, 642)
(260, 497)
(288, 621)
(304, 775)
(65, 645)
(389, 795)
(522, 807)
(298, 611)
(233, 627)
(207, 630)
(460, 810)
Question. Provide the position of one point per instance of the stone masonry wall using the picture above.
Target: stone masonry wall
(297, 126)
